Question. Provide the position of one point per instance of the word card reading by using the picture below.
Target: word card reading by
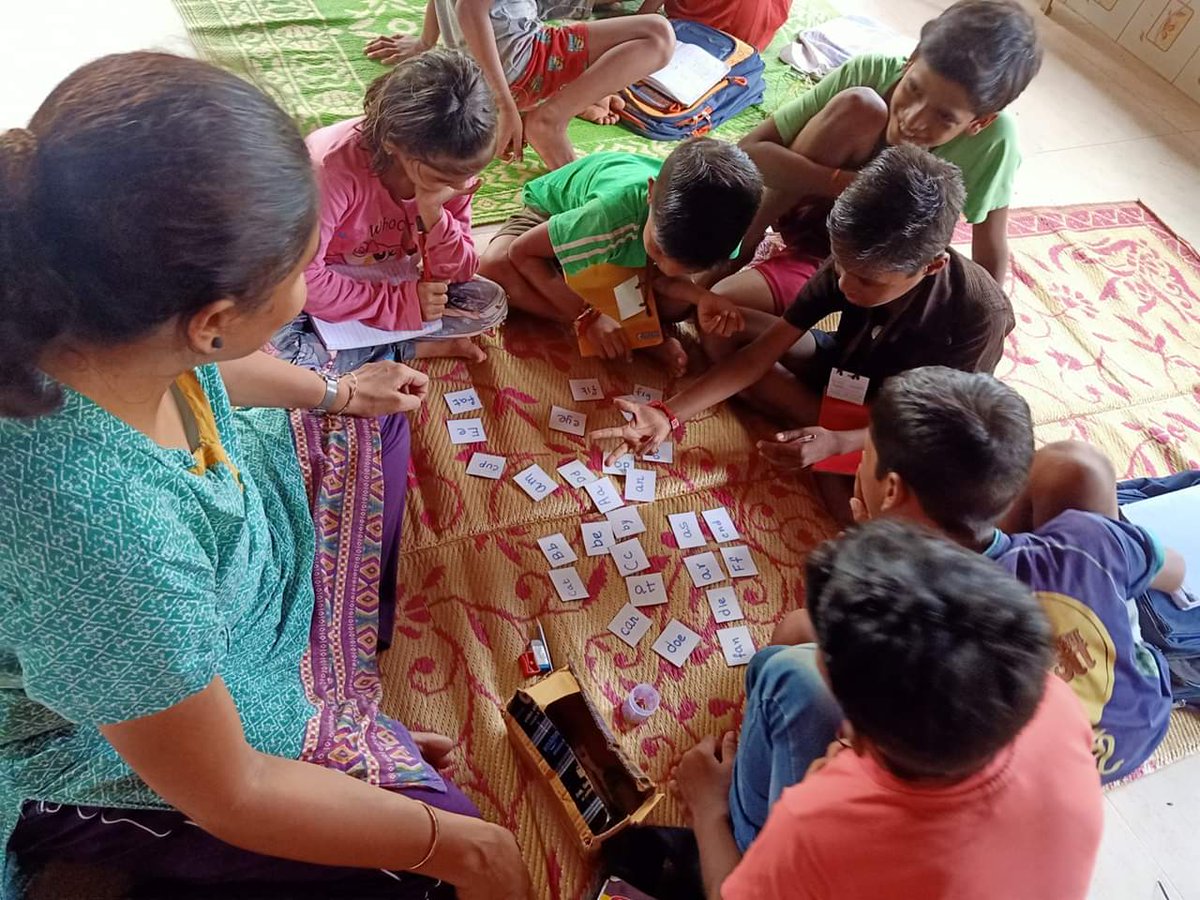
(639, 485)
(621, 465)
(687, 530)
(739, 562)
(567, 420)
(604, 494)
(466, 431)
(646, 590)
(647, 394)
(535, 482)
(629, 625)
(597, 537)
(721, 525)
(704, 569)
(724, 604)
(557, 551)
(626, 522)
(576, 473)
(568, 584)
(484, 465)
(736, 644)
(665, 454)
(629, 557)
(463, 401)
(676, 643)
(586, 389)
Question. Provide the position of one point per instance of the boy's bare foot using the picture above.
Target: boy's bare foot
(548, 137)
(458, 348)
(671, 356)
(434, 747)
(606, 112)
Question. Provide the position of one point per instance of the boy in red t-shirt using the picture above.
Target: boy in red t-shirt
(754, 21)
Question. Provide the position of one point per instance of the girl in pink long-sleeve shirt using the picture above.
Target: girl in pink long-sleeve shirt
(399, 176)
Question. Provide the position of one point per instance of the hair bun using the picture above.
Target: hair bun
(18, 152)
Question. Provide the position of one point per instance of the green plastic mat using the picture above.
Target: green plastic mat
(307, 54)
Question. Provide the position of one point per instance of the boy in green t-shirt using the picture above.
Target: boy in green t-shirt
(683, 214)
(971, 62)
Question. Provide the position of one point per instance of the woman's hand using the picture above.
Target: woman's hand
(608, 338)
(390, 49)
(384, 388)
(510, 132)
(643, 434)
(503, 876)
(701, 780)
(719, 316)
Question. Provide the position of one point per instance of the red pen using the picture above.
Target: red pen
(424, 248)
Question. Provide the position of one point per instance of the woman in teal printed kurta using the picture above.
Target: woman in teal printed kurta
(155, 575)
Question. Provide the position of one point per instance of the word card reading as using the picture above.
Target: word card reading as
(736, 644)
(558, 552)
(687, 530)
(721, 525)
(586, 389)
(597, 537)
(466, 431)
(629, 557)
(676, 643)
(704, 569)
(484, 465)
(646, 590)
(463, 401)
(568, 584)
(629, 625)
(576, 473)
(739, 562)
(567, 420)
(535, 482)
(724, 604)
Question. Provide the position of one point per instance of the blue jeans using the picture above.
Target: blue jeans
(790, 720)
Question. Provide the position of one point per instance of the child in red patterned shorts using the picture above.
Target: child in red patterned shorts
(542, 75)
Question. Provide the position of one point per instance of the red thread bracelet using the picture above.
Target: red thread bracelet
(678, 428)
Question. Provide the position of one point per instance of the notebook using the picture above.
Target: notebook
(691, 73)
(353, 335)
(1172, 519)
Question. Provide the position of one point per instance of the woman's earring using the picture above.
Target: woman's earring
(218, 343)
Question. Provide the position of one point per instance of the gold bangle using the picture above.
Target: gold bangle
(433, 841)
(349, 397)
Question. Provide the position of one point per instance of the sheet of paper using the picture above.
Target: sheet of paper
(586, 389)
(1172, 519)
(724, 604)
(463, 401)
(629, 625)
(631, 399)
(721, 525)
(646, 590)
(568, 420)
(629, 298)
(353, 335)
(639, 485)
(704, 569)
(647, 394)
(466, 431)
(556, 550)
(485, 465)
(629, 557)
(739, 562)
(568, 584)
(576, 473)
(676, 643)
(626, 522)
(597, 537)
(535, 482)
(736, 644)
(664, 454)
(621, 465)
(604, 494)
(687, 530)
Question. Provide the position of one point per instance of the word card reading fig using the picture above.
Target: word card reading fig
(629, 625)
(484, 465)
(647, 394)
(466, 431)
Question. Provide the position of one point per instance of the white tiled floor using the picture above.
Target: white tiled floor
(1096, 125)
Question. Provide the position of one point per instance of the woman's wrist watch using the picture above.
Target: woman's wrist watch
(331, 392)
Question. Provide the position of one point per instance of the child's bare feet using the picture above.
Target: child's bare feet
(606, 112)
(458, 348)
(671, 356)
(434, 747)
(548, 136)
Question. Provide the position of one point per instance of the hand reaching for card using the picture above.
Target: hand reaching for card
(701, 780)
(383, 388)
(643, 434)
(799, 449)
(719, 316)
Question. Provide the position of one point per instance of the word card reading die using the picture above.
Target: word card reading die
(466, 431)
(568, 584)
(724, 604)
(739, 562)
(484, 465)
(639, 485)
(721, 525)
(558, 552)
(621, 465)
(463, 401)
(597, 537)
(704, 569)
(664, 454)
(646, 590)
(604, 494)
(629, 625)
(586, 389)
(535, 482)
(736, 644)
(629, 557)
(647, 394)
(676, 643)
(576, 473)
(626, 521)
(687, 530)
(567, 420)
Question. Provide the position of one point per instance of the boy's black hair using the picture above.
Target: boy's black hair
(962, 442)
(704, 200)
(899, 214)
(935, 653)
(990, 47)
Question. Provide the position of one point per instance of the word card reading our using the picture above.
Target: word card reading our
(485, 465)
(567, 420)
(576, 473)
(687, 530)
(647, 394)
(704, 569)
(597, 537)
(724, 604)
(568, 584)
(535, 482)
(463, 401)
(646, 590)
(604, 494)
(466, 431)
(629, 557)
(739, 562)
(639, 485)
(620, 466)
(736, 644)
(629, 625)
(586, 389)
(557, 551)
(629, 298)
(721, 525)
(664, 454)
(626, 521)
(676, 643)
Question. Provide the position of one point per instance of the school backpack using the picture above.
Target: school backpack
(653, 114)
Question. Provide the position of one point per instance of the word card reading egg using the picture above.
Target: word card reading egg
(676, 643)
(626, 522)
(647, 394)
(629, 557)
(567, 420)
(704, 569)
(639, 485)
(557, 551)
(568, 584)
(597, 537)
(687, 530)
(620, 466)
(724, 604)
(646, 590)
(586, 389)
(736, 644)
(721, 525)
(576, 473)
(604, 494)
(535, 482)
(739, 562)
(484, 465)
(629, 625)
(665, 454)
(463, 401)
(466, 431)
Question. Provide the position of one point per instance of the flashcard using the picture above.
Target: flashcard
(704, 569)
(535, 482)
(664, 454)
(463, 401)
(485, 465)
(739, 562)
(586, 389)
(631, 399)
(466, 431)
(629, 625)
(639, 485)
(567, 420)
(736, 644)
(597, 537)
(647, 394)
(629, 298)
(626, 522)
(724, 604)
(687, 530)
(646, 590)
(721, 525)
(604, 494)
(557, 551)
(676, 643)
(629, 557)
(620, 466)
(568, 584)
(576, 473)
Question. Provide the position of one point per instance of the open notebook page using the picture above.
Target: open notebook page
(689, 75)
(353, 335)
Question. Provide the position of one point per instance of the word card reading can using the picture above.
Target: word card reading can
(629, 625)
(485, 465)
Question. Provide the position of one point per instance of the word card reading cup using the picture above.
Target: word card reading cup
(664, 454)
(557, 551)
(721, 525)
(466, 431)
(629, 298)
(463, 401)
(597, 537)
(739, 562)
(676, 643)
(620, 466)
(629, 557)
(535, 482)
(604, 494)
(484, 465)
(646, 590)
(568, 584)
(577, 474)
(736, 644)
(687, 530)
(724, 604)
(586, 389)
(567, 420)
(629, 625)
(704, 569)
(647, 394)
(626, 522)
(639, 485)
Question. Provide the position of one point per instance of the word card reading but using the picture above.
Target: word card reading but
(626, 521)
(567, 420)
(463, 401)
(736, 644)
(484, 465)
(629, 625)
(704, 569)
(739, 562)
(568, 584)
(629, 557)
(604, 494)
(586, 389)
(724, 604)
(535, 482)
(466, 431)
(597, 537)
(639, 485)
(687, 530)
(646, 590)
(576, 473)
(557, 551)
(721, 525)
(676, 643)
